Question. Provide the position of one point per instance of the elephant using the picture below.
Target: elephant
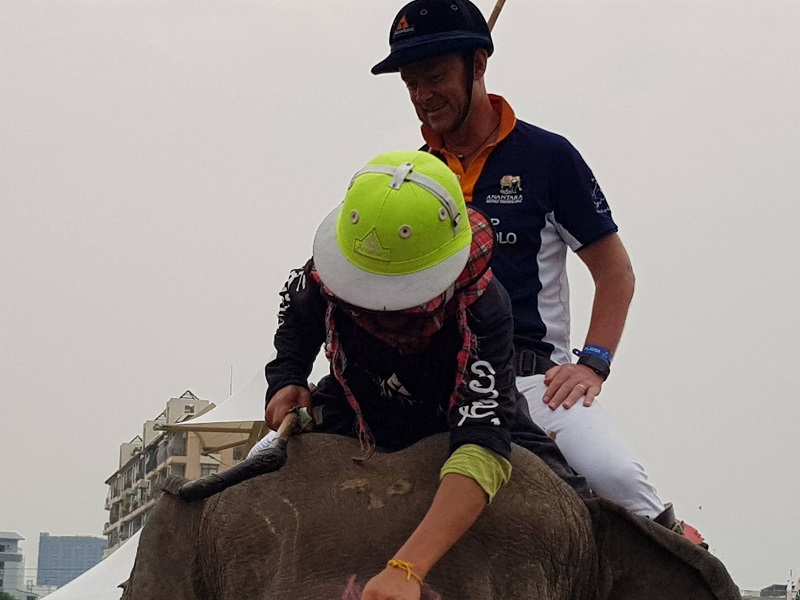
(323, 520)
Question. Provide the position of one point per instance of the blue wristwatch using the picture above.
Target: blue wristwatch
(597, 358)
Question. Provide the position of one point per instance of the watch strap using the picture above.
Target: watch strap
(596, 364)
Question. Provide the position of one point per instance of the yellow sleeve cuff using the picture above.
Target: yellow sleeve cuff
(489, 470)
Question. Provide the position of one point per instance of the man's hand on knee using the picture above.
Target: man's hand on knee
(567, 384)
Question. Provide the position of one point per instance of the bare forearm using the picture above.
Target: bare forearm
(455, 508)
(614, 281)
(612, 298)
(611, 270)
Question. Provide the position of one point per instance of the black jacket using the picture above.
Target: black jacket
(405, 396)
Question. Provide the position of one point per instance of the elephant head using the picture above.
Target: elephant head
(325, 522)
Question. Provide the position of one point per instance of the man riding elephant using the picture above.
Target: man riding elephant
(543, 200)
(420, 334)
(422, 365)
(421, 342)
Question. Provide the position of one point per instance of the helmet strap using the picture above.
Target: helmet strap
(469, 75)
(405, 172)
(401, 173)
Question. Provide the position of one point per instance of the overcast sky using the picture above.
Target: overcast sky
(164, 164)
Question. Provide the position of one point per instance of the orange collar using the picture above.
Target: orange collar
(469, 177)
(508, 121)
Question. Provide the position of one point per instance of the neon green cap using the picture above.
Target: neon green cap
(400, 237)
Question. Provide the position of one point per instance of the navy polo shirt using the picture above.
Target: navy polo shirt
(542, 198)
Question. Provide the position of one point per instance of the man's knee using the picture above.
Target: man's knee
(624, 475)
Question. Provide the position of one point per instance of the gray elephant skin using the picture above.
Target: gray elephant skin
(303, 532)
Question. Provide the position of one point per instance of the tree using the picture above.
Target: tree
(6, 596)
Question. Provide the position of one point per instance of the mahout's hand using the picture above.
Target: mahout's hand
(566, 384)
(392, 584)
(283, 401)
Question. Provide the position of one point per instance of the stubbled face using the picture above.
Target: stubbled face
(438, 91)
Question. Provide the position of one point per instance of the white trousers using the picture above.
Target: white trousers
(595, 448)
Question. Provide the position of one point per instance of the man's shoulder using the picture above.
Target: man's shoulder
(542, 137)
(522, 131)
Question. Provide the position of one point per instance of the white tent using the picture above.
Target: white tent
(237, 420)
(101, 582)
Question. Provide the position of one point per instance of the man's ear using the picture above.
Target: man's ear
(481, 58)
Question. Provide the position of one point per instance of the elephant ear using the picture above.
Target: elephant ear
(166, 566)
(640, 559)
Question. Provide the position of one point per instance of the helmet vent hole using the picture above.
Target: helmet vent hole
(354, 217)
(453, 7)
(442, 214)
(405, 232)
(423, 12)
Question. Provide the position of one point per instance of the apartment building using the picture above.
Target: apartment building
(63, 557)
(12, 566)
(148, 459)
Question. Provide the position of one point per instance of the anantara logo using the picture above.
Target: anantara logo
(510, 191)
(510, 184)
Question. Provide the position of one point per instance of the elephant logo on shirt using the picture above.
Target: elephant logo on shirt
(510, 184)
